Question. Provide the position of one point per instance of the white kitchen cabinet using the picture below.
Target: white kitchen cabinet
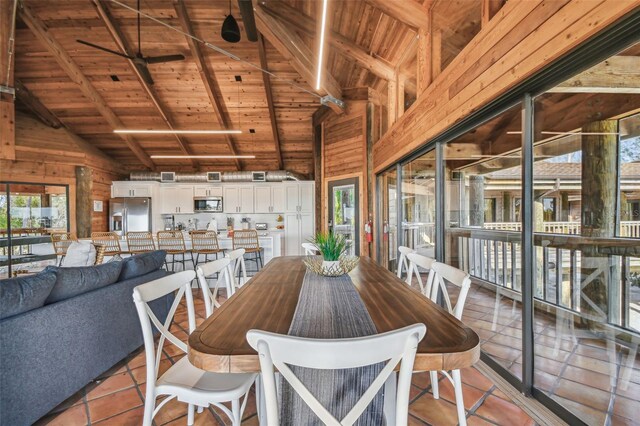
(298, 228)
(269, 198)
(299, 197)
(207, 191)
(176, 199)
(128, 189)
(238, 199)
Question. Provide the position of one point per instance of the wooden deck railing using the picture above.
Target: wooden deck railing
(628, 229)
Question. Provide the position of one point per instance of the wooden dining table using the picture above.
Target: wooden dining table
(268, 302)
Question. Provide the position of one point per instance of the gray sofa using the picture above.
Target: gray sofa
(85, 326)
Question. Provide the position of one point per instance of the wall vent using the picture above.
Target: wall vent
(214, 177)
(258, 176)
(167, 176)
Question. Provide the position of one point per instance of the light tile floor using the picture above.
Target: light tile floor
(117, 397)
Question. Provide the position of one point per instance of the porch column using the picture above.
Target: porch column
(598, 215)
(84, 185)
(506, 207)
(476, 201)
(564, 206)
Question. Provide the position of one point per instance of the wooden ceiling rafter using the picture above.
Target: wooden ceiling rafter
(269, 94)
(118, 37)
(208, 78)
(74, 72)
(33, 104)
(293, 48)
(410, 12)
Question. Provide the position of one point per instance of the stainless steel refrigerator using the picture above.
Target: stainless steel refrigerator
(129, 215)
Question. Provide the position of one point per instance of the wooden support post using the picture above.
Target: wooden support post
(423, 76)
(7, 106)
(599, 193)
(436, 53)
(476, 201)
(317, 171)
(564, 206)
(400, 96)
(506, 207)
(369, 180)
(84, 187)
(392, 102)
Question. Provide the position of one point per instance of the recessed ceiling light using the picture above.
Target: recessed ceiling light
(177, 132)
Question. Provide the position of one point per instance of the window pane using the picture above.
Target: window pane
(586, 176)
(482, 231)
(387, 226)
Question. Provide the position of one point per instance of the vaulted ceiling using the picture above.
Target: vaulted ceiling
(93, 92)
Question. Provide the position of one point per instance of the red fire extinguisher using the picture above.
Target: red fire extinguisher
(368, 230)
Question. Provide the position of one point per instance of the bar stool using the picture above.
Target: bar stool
(247, 239)
(110, 240)
(205, 243)
(61, 242)
(140, 242)
(173, 243)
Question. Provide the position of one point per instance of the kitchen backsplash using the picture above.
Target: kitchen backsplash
(201, 220)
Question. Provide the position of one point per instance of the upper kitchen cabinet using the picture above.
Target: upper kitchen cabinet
(176, 199)
(299, 197)
(269, 198)
(238, 199)
(130, 189)
(203, 191)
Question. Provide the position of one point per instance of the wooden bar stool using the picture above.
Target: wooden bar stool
(140, 242)
(110, 240)
(173, 243)
(248, 240)
(205, 243)
(61, 242)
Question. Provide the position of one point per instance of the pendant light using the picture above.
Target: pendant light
(230, 29)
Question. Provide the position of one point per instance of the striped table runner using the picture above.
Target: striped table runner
(330, 308)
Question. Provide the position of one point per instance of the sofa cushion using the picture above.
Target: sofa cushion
(142, 264)
(80, 253)
(22, 294)
(72, 282)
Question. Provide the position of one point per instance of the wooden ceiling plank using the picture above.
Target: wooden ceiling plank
(409, 12)
(34, 105)
(293, 48)
(208, 78)
(84, 84)
(269, 94)
(342, 44)
(118, 37)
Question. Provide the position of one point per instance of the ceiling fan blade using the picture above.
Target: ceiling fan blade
(104, 49)
(144, 72)
(165, 58)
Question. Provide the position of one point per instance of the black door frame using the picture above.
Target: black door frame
(343, 182)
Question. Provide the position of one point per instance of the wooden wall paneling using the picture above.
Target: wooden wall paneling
(553, 37)
(7, 67)
(75, 73)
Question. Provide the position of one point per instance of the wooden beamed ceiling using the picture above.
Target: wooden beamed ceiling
(91, 92)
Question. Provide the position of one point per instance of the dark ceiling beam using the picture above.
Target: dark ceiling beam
(269, 94)
(76, 75)
(293, 48)
(34, 105)
(208, 77)
(118, 37)
(248, 19)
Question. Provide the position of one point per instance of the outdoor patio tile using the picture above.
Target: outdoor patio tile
(585, 395)
(475, 378)
(128, 418)
(113, 404)
(110, 385)
(627, 408)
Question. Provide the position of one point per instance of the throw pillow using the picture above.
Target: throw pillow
(142, 264)
(22, 294)
(71, 282)
(80, 253)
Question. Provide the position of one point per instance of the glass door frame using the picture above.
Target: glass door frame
(355, 181)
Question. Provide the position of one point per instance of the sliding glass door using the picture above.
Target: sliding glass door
(28, 215)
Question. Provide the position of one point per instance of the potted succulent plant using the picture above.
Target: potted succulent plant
(332, 247)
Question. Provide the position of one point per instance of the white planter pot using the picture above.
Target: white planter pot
(330, 264)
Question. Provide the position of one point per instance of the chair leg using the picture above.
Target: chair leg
(190, 414)
(149, 406)
(235, 409)
(457, 384)
(434, 384)
(198, 258)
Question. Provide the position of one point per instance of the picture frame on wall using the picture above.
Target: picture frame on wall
(98, 206)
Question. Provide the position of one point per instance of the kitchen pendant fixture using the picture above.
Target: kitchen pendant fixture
(230, 28)
(176, 132)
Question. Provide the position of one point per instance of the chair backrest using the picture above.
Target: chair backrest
(140, 242)
(402, 260)
(204, 241)
(237, 264)
(143, 294)
(171, 241)
(455, 276)
(61, 242)
(203, 271)
(110, 240)
(282, 351)
(417, 261)
(246, 239)
(309, 249)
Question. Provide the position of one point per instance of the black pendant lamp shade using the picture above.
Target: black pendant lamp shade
(230, 28)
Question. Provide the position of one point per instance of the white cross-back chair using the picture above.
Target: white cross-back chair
(417, 261)
(205, 271)
(441, 273)
(182, 380)
(403, 265)
(309, 249)
(394, 347)
(238, 267)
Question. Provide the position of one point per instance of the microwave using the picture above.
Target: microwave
(207, 204)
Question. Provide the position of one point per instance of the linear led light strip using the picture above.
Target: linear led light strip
(567, 133)
(201, 157)
(323, 26)
(177, 132)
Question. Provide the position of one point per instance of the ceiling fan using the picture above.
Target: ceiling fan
(139, 60)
